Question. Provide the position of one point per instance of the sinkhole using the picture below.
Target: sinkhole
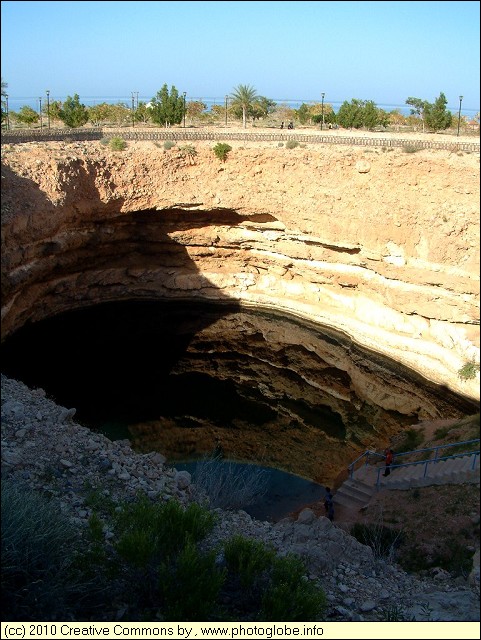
(182, 377)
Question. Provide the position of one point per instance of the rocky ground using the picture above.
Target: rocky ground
(43, 447)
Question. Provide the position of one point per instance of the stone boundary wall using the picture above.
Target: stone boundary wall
(68, 135)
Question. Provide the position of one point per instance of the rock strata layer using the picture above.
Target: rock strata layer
(379, 245)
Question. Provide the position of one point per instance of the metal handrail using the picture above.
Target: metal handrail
(367, 455)
(475, 454)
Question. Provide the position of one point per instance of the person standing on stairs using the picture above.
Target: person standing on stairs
(388, 456)
(328, 504)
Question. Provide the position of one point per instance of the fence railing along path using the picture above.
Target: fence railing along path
(219, 135)
(366, 472)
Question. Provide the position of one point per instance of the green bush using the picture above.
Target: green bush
(248, 558)
(221, 150)
(292, 144)
(168, 144)
(117, 144)
(188, 151)
(37, 544)
(190, 585)
(412, 439)
(408, 148)
(451, 555)
(159, 529)
(290, 597)
(270, 587)
(469, 370)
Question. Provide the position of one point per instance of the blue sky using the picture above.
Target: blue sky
(381, 51)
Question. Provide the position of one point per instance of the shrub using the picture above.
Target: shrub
(117, 144)
(272, 588)
(168, 144)
(412, 439)
(441, 433)
(247, 558)
(188, 151)
(190, 585)
(469, 370)
(409, 148)
(37, 543)
(290, 597)
(451, 555)
(159, 529)
(382, 540)
(292, 144)
(227, 485)
(221, 150)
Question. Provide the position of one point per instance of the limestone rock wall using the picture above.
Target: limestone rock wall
(379, 243)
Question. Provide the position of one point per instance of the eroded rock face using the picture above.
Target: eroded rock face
(388, 257)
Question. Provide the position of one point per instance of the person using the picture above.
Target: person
(290, 125)
(282, 125)
(388, 456)
(328, 504)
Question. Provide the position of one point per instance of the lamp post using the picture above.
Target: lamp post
(133, 110)
(226, 99)
(322, 111)
(40, 112)
(6, 111)
(459, 113)
(136, 99)
(48, 108)
(184, 94)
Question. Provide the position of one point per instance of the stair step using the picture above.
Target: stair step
(360, 488)
(346, 501)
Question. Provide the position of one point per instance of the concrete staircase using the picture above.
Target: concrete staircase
(357, 491)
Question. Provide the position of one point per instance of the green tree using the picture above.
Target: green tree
(350, 114)
(27, 115)
(194, 108)
(317, 113)
(142, 113)
(303, 113)
(436, 116)
(99, 113)
(167, 108)
(243, 97)
(371, 115)
(262, 107)
(54, 109)
(73, 113)
(418, 108)
(396, 119)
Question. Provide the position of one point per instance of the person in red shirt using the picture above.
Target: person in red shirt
(388, 455)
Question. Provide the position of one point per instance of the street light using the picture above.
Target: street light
(459, 114)
(226, 98)
(133, 110)
(48, 108)
(184, 94)
(136, 99)
(322, 111)
(40, 112)
(6, 111)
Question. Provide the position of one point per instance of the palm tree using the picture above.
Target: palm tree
(243, 96)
